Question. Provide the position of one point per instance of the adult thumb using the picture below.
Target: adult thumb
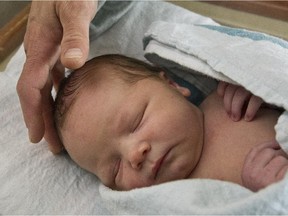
(75, 41)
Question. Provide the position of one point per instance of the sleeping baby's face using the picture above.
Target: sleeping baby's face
(136, 135)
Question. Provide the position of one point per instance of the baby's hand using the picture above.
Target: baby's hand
(265, 164)
(237, 100)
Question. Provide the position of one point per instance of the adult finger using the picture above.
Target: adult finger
(30, 100)
(57, 73)
(29, 88)
(75, 18)
(42, 51)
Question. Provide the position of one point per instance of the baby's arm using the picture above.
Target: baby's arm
(265, 164)
(237, 100)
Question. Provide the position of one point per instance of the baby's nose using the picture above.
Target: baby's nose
(138, 155)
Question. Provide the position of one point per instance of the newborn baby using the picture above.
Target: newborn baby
(130, 125)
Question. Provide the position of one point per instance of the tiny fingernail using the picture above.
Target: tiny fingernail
(247, 118)
(73, 53)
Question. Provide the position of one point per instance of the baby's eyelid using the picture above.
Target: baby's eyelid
(139, 119)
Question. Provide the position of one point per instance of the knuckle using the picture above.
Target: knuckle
(241, 92)
(20, 87)
(280, 159)
(69, 9)
(73, 35)
(268, 152)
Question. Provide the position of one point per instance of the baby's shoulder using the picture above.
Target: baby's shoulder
(212, 103)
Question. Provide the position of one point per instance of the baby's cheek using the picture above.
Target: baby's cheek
(132, 181)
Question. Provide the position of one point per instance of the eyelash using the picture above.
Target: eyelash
(116, 169)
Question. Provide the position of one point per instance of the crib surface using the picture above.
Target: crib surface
(12, 33)
(264, 16)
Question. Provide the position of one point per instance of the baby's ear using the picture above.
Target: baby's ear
(183, 90)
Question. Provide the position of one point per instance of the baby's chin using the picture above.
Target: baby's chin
(162, 181)
(185, 174)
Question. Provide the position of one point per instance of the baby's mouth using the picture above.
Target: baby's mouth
(157, 167)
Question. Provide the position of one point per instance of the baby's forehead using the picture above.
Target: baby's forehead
(97, 77)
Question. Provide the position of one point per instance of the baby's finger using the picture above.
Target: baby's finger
(228, 97)
(257, 149)
(277, 164)
(239, 99)
(252, 108)
(282, 173)
(221, 88)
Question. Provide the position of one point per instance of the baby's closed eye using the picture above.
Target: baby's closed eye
(139, 120)
(116, 169)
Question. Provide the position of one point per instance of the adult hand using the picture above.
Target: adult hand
(57, 35)
(236, 98)
(265, 164)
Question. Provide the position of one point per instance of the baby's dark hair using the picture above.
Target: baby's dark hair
(127, 69)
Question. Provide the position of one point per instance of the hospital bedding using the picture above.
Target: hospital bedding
(33, 181)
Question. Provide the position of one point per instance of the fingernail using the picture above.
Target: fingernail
(234, 117)
(30, 136)
(56, 149)
(229, 114)
(73, 53)
(247, 118)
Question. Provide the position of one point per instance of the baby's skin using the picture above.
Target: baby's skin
(266, 162)
(230, 147)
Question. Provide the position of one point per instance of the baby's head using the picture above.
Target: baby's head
(124, 121)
